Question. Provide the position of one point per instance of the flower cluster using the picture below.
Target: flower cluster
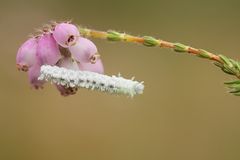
(58, 44)
(90, 80)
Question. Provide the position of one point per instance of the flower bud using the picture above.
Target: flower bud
(84, 51)
(26, 56)
(66, 34)
(47, 50)
(97, 67)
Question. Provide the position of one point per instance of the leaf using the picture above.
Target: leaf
(232, 82)
(226, 61)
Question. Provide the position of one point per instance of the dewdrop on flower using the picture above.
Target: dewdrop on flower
(66, 34)
(90, 80)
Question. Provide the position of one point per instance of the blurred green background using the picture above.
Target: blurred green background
(185, 112)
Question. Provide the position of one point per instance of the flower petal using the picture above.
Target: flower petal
(47, 50)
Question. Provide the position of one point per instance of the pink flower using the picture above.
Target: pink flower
(84, 51)
(61, 46)
(47, 50)
(66, 34)
(33, 75)
(97, 67)
(26, 56)
(68, 63)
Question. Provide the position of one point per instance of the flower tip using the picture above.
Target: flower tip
(66, 34)
(94, 58)
(23, 68)
(64, 91)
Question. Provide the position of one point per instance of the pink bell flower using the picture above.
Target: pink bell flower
(33, 74)
(60, 46)
(68, 63)
(26, 56)
(84, 51)
(66, 34)
(97, 67)
(47, 50)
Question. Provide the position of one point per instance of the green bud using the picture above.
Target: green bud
(178, 47)
(204, 54)
(150, 41)
(114, 36)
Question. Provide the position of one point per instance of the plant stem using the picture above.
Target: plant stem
(149, 42)
(226, 64)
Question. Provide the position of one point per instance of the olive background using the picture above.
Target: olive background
(185, 112)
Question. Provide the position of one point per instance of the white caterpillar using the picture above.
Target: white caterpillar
(90, 80)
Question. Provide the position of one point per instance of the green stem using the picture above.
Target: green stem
(227, 65)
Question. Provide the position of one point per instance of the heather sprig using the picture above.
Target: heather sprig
(58, 53)
(227, 65)
(64, 46)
